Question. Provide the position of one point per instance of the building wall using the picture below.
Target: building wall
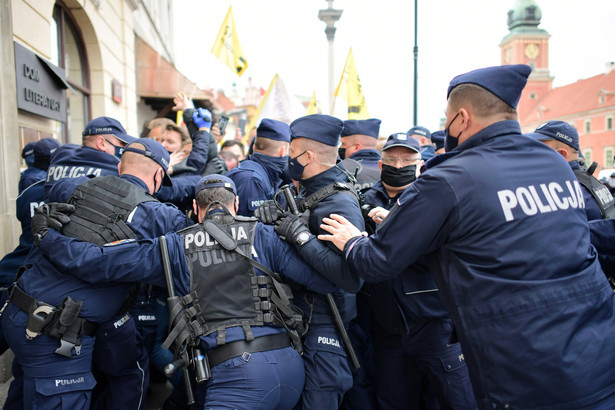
(107, 31)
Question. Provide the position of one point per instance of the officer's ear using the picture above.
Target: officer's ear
(236, 204)
(195, 208)
(563, 152)
(380, 164)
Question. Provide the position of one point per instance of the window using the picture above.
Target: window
(609, 123)
(588, 126)
(68, 52)
(608, 157)
(587, 153)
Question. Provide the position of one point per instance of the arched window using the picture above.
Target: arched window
(68, 52)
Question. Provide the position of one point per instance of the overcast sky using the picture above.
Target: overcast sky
(286, 37)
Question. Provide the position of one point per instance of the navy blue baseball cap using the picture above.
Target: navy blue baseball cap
(108, 125)
(273, 130)
(401, 139)
(318, 127)
(28, 149)
(370, 127)
(437, 137)
(557, 130)
(422, 131)
(43, 150)
(155, 151)
(505, 82)
(215, 181)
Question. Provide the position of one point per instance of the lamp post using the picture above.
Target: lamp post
(330, 16)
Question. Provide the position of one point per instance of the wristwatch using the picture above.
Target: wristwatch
(303, 237)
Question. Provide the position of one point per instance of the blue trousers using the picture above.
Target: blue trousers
(327, 372)
(51, 381)
(403, 361)
(121, 365)
(258, 381)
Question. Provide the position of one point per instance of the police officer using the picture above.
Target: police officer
(423, 136)
(103, 141)
(57, 362)
(259, 177)
(564, 139)
(358, 150)
(437, 137)
(29, 198)
(252, 363)
(416, 364)
(521, 306)
(325, 188)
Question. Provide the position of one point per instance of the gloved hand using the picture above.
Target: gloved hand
(290, 226)
(202, 118)
(53, 215)
(268, 212)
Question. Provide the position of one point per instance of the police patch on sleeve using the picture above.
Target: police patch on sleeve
(123, 241)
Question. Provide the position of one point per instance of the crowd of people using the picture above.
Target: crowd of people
(320, 267)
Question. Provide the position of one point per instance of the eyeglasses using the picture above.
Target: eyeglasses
(404, 161)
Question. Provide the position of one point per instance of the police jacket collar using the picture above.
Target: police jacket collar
(574, 164)
(136, 181)
(367, 155)
(271, 171)
(495, 130)
(500, 128)
(331, 175)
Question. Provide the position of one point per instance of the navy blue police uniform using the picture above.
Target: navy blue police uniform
(363, 164)
(416, 363)
(28, 199)
(258, 177)
(328, 374)
(272, 378)
(498, 271)
(27, 153)
(50, 377)
(598, 200)
(427, 150)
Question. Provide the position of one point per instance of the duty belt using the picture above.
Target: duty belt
(241, 348)
(61, 323)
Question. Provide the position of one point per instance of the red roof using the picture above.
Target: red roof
(579, 97)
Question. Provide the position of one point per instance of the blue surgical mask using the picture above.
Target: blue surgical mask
(295, 169)
(450, 142)
(427, 152)
(118, 150)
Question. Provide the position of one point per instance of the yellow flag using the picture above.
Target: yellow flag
(350, 89)
(312, 109)
(227, 48)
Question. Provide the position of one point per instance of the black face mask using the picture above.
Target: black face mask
(397, 177)
(341, 152)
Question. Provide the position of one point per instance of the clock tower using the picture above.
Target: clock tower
(528, 44)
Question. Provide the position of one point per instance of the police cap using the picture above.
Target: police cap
(108, 125)
(559, 131)
(437, 138)
(215, 181)
(401, 139)
(370, 127)
(273, 130)
(318, 127)
(155, 151)
(505, 82)
(422, 131)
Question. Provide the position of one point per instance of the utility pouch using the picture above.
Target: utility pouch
(67, 328)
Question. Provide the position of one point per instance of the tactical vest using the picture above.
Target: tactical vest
(601, 193)
(365, 177)
(223, 283)
(102, 206)
(308, 203)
